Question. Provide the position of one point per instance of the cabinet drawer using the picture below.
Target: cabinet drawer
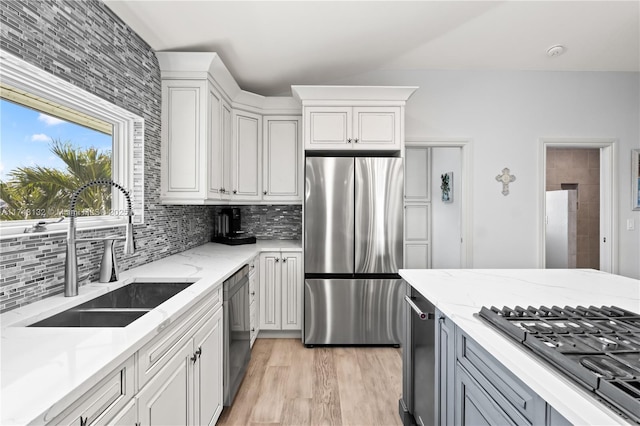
(155, 354)
(508, 391)
(104, 401)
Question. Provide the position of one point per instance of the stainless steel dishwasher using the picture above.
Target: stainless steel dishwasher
(237, 334)
(417, 405)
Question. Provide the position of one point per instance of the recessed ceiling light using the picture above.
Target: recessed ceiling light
(555, 50)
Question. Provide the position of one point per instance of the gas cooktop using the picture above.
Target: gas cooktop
(599, 348)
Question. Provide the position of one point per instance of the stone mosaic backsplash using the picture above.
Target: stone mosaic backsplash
(269, 222)
(85, 43)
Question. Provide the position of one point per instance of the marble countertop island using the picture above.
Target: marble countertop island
(460, 294)
(43, 369)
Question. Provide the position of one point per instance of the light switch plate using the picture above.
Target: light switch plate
(631, 225)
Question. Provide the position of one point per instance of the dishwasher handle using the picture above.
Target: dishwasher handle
(422, 315)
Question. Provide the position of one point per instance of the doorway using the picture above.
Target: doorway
(577, 204)
(433, 158)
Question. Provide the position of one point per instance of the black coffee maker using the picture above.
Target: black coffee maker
(228, 228)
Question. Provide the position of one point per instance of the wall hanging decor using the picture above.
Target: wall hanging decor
(635, 179)
(447, 187)
(506, 178)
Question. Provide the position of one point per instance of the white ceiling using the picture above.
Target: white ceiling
(269, 45)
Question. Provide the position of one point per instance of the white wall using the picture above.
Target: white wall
(505, 114)
(445, 217)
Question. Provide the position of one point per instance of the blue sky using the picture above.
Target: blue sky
(26, 134)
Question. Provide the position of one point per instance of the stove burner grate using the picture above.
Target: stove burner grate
(597, 347)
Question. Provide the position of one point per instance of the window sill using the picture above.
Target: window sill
(22, 228)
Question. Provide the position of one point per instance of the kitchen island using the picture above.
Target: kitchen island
(459, 295)
(45, 369)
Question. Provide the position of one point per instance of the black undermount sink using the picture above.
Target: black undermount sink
(118, 308)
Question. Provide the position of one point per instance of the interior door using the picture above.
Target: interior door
(328, 230)
(378, 215)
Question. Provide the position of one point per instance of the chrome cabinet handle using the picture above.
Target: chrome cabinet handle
(422, 315)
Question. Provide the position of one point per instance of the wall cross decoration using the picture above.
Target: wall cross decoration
(506, 178)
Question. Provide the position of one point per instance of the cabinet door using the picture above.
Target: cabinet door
(377, 128)
(208, 393)
(473, 406)
(282, 163)
(291, 291)
(445, 368)
(227, 147)
(417, 167)
(216, 146)
(166, 399)
(247, 149)
(328, 128)
(270, 291)
(184, 136)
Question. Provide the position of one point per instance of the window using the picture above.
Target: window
(57, 137)
(47, 157)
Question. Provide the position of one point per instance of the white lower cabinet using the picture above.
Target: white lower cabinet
(165, 399)
(254, 266)
(188, 389)
(280, 291)
(179, 378)
(103, 402)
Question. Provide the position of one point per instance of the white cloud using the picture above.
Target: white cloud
(49, 120)
(40, 137)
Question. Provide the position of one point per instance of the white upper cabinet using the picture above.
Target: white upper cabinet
(247, 151)
(282, 159)
(213, 137)
(184, 139)
(353, 117)
(353, 128)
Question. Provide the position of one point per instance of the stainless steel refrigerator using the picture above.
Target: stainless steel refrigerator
(353, 250)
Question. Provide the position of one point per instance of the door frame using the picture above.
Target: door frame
(608, 196)
(466, 187)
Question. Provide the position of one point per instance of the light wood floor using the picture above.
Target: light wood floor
(288, 384)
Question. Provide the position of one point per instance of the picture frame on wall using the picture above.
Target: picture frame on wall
(635, 179)
(447, 187)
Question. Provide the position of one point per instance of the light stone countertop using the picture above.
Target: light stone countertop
(44, 369)
(460, 294)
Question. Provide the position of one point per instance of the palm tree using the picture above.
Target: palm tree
(37, 192)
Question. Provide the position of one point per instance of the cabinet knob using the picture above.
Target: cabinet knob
(253, 329)
(264, 192)
(235, 192)
(83, 421)
(194, 358)
(277, 260)
(199, 351)
(284, 259)
(349, 140)
(253, 293)
(356, 140)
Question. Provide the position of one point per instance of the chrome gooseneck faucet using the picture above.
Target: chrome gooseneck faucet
(108, 268)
